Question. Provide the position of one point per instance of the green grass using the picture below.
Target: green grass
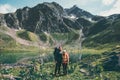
(90, 62)
(6, 41)
(43, 37)
(59, 36)
(27, 35)
(19, 48)
(68, 37)
(46, 38)
(93, 51)
(8, 44)
(3, 28)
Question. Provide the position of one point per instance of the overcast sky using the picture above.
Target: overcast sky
(96, 7)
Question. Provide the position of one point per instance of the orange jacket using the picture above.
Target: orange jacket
(65, 57)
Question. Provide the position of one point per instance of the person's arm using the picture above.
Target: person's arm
(54, 55)
(68, 57)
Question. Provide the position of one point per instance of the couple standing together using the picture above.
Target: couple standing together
(61, 58)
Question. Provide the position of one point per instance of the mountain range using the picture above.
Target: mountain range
(50, 22)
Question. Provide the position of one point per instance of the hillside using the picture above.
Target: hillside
(48, 19)
(106, 31)
(78, 12)
(41, 25)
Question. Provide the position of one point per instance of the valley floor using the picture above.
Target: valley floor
(41, 67)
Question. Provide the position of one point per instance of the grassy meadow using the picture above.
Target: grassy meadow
(37, 63)
(89, 67)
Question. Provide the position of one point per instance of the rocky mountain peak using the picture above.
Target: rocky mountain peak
(75, 7)
(51, 6)
(114, 16)
(26, 8)
(78, 12)
(44, 17)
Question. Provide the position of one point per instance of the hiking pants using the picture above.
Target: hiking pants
(64, 68)
(57, 67)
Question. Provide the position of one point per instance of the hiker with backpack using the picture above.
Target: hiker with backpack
(65, 61)
(58, 59)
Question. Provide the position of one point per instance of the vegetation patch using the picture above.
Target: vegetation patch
(3, 28)
(43, 37)
(27, 35)
(90, 67)
(6, 41)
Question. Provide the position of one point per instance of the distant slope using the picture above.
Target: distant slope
(78, 12)
(11, 36)
(105, 31)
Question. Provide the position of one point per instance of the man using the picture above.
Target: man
(58, 59)
(65, 61)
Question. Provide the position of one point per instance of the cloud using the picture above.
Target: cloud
(6, 8)
(70, 3)
(114, 10)
(107, 2)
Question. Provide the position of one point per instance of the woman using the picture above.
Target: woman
(65, 61)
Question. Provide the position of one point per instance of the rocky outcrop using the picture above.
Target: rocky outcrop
(2, 20)
(48, 17)
(79, 12)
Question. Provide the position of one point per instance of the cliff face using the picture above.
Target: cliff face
(48, 17)
(79, 12)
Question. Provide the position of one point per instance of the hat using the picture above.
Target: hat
(64, 51)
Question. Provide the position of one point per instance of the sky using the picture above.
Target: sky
(96, 7)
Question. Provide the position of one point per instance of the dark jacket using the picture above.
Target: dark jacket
(57, 55)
